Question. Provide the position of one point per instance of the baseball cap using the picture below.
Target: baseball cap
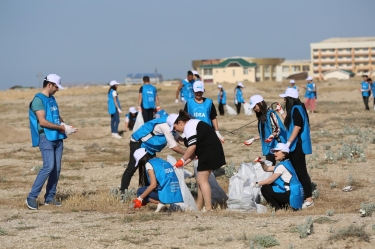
(113, 82)
(282, 147)
(309, 78)
(138, 154)
(171, 119)
(240, 84)
(219, 86)
(290, 92)
(198, 86)
(292, 81)
(195, 72)
(255, 99)
(54, 78)
(132, 110)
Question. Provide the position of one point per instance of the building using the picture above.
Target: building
(290, 67)
(137, 78)
(352, 54)
(338, 74)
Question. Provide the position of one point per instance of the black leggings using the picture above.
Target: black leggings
(298, 160)
(365, 101)
(131, 169)
(238, 106)
(221, 108)
(276, 200)
(148, 114)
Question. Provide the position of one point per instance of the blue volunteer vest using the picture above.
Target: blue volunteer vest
(168, 186)
(161, 113)
(266, 147)
(296, 190)
(157, 142)
(310, 94)
(52, 115)
(200, 111)
(111, 103)
(148, 96)
(305, 132)
(239, 96)
(373, 89)
(187, 89)
(365, 86)
(224, 99)
(295, 87)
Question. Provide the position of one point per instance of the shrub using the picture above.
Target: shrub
(367, 209)
(332, 185)
(351, 231)
(229, 170)
(307, 228)
(330, 212)
(265, 240)
(3, 232)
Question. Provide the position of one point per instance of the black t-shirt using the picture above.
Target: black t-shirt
(298, 121)
(213, 112)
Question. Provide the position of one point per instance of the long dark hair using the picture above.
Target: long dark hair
(142, 169)
(262, 115)
(182, 116)
(112, 88)
(289, 103)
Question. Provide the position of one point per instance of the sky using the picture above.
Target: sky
(99, 41)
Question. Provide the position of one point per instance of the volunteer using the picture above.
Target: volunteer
(201, 141)
(203, 108)
(310, 94)
(185, 89)
(369, 80)
(270, 127)
(152, 136)
(114, 108)
(366, 91)
(221, 99)
(296, 122)
(148, 100)
(238, 98)
(282, 188)
(293, 85)
(160, 113)
(196, 75)
(48, 132)
(161, 186)
(130, 118)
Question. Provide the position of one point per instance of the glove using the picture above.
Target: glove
(220, 137)
(279, 109)
(269, 139)
(249, 142)
(119, 110)
(139, 109)
(236, 102)
(258, 160)
(180, 163)
(158, 108)
(309, 89)
(138, 202)
(69, 130)
(288, 144)
(182, 99)
(176, 101)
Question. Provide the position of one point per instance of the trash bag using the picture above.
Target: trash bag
(138, 122)
(189, 202)
(230, 110)
(218, 195)
(248, 110)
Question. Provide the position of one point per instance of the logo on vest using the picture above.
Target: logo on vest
(150, 92)
(53, 108)
(199, 114)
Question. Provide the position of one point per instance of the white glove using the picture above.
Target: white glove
(309, 89)
(182, 99)
(69, 129)
(258, 160)
(249, 142)
(220, 136)
(139, 109)
(236, 102)
(288, 144)
(176, 101)
(119, 110)
(279, 109)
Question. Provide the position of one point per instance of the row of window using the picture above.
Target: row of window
(342, 57)
(208, 71)
(343, 50)
(342, 65)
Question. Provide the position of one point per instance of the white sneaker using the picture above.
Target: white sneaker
(115, 135)
(307, 204)
(160, 207)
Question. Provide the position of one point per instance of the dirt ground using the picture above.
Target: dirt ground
(93, 163)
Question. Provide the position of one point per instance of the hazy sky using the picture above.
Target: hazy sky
(97, 41)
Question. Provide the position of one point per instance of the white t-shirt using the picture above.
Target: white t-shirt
(114, 93)
(149, 166)
(161, 129)
(190, 131)
(285, 174)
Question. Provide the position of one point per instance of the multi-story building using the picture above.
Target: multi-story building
(351, 54)
(290, 67)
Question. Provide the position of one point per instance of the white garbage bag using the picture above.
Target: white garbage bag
(230, 110)
(138, 122)
(248, 110)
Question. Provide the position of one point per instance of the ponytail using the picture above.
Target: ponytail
(182, 116)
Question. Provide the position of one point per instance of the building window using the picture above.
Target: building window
(316, 51)
(332, 50)
(357, 49)
(267, 69)
(323, 50)
(266, 78)
(332, 65)
(349, 50)
(348, 57)
(305, 68)
(207, 71)
(332, 57)
(245, 71)
(257, 69)
(274, 69)
(285, 69)
(295, 68)
(234, 72)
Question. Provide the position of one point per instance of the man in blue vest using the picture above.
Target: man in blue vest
(47, 132)
(366, 91)
(186, 88)
(148, 99)
(372, 84)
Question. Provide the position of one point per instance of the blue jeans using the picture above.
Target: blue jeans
(153, 195)
(51, 154)
(115, 121)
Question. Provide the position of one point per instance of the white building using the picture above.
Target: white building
(338, 74)
(290, 67)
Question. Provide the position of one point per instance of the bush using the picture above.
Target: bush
(351, 231)
(307, 228)
(265, 240)
(229, 170)
(367, 209)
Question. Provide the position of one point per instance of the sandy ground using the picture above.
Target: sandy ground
(93, 163)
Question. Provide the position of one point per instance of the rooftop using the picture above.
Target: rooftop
(349, 39)
(225, 63)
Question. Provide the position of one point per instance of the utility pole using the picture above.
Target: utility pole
(40, 79)
(156, 75)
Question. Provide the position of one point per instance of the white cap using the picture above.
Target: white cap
(138, 154)
(290, 92)
(282, 147)
(292, 81)
(132, 110)
(219, 86)
(171, 119)
(198, 86)
(113, 82)
(240, 84)
(54, 78)
(195, 72)
(309, 78)
(255, 99)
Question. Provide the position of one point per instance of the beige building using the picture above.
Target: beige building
(290, 67)
(338, 74)
(352, 54)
